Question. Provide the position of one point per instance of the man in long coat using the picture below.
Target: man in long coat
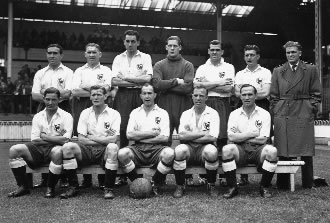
(295, 95)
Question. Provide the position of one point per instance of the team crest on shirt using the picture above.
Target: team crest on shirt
(57, 127)
(259, 80)
(258, 124)
(107, 125)
(222, 74)
(207, 125)
(99, 76)
(60, 80)
(157, 120)
(139, 66)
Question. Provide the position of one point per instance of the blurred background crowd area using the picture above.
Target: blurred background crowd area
(109, 42)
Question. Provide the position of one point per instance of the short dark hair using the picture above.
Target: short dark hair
(52, 90)
(57, 46)
(252, 47)
(97, 87)
(215, 42)
(147, 85)
(132, 33)
(201, 87)
(292, 44)
(97, 46)
(248, 85)
(177, 38)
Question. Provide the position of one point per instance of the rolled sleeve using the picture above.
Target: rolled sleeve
(165, 125)
(36, 129)
(215, 125)
(68, 126)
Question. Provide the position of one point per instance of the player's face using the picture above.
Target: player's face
(199, 97)
(98, 97)
(173, 48)
(215, 53)
(51, 101)
(251, 57)
(131, 44)
(93, 55)
(148, 96)
(248, 96)
(292, 54)
(54, 56)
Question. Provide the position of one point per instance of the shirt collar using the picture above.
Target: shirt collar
(292, 65)
(247, 70)
(206, 110)
(256, 109)
(138, 53)
(87, 66)
(221, 62)
(106, 109)
(61, 66)
(57, 113)
(154, 108)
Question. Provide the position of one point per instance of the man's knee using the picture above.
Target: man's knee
(112, 149)
(271, 152)
(68, 149)
(17, 150)
(124, 154)
(56, 152)
(167, 155)
(210, 152)
(181, 152)
(228, 151)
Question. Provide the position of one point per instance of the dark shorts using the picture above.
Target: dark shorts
(249, 154)
(91, 155)
(40, 154)
(195, 150)
(146, 154)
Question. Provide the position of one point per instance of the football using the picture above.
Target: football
(140, 188)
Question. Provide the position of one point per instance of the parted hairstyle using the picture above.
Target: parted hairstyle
(97, 46)
(52, 90)
(248, 85)
(57, 46)
(177, 38)
(132, 33)
(292, 44)
(97, 87)
(252, 47)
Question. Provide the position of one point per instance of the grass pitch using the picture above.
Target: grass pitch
(299, 206)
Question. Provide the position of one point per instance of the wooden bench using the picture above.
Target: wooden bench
(290, 167)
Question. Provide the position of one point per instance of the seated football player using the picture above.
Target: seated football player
(248, 132)
(51, 128)
(148, 126)
(98, 132)
(198, 133)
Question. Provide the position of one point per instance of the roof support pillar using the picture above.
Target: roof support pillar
(10, 38)
(318, 41)
(219, 20)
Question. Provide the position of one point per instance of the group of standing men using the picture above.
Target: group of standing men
(145, 104)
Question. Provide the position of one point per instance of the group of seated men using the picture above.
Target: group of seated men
(148, 126)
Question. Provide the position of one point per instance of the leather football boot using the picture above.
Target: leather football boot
(21, 191)
(233, 191)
